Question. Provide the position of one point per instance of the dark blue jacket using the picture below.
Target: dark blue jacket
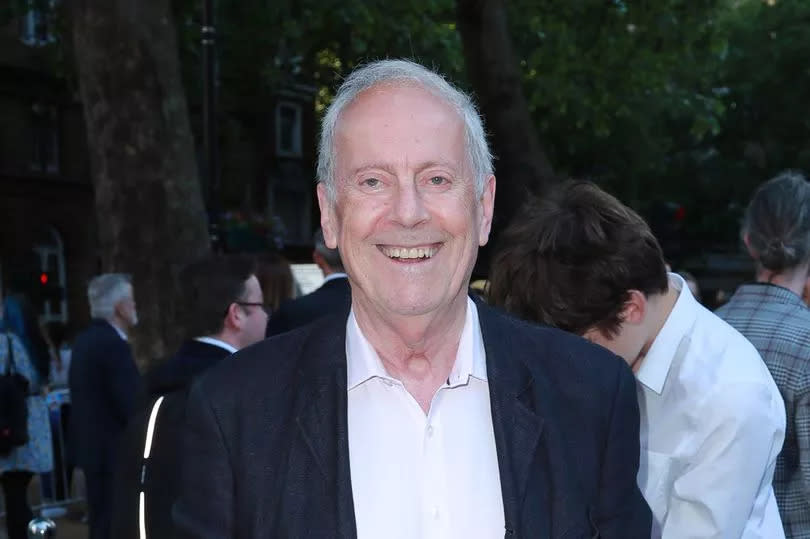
(171, 380)
(267, 452)
(104, 384)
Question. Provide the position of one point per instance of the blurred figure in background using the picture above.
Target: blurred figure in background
(223, 310)
(712, 419)
(60, 353)
(56, 485)
(334, 295)
(20, 335)
(692, 283)
(276, 280)
(104, 383)
(480, 289)
(771, 313)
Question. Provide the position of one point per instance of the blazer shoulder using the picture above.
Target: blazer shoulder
(273, 366)
(552, 353)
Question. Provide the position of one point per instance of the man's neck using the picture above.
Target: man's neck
(420, 351)
(794, 280)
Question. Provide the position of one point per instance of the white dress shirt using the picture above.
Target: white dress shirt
(712, 425)
(216, 342)
(333, 276)
(423, 476)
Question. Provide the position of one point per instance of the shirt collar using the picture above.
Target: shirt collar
(363, 363)
(120, 331)
(673, 339)
(333, 276)
(216, 342)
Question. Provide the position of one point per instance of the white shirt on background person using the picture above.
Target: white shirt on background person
(712, 425)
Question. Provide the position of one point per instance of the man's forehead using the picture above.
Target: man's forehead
(420, 103)
(408, 122)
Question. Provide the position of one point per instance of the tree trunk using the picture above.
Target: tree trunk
(151, 217)
(521, 163)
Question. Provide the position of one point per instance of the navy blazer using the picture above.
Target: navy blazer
(267, 453)
(104, 384)
(333, 296)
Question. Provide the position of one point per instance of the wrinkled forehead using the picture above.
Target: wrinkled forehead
(390, 121)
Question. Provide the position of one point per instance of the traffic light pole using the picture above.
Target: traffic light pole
(210, 162)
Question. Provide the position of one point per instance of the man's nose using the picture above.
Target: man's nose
(409, 205)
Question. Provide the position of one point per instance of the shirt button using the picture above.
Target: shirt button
(435, 512)
(430, 433)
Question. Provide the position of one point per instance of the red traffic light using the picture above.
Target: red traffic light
(43, 278)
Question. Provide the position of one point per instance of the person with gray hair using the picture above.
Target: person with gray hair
(334, 294)
(104, 383)
(417, 412)
(110, 297)
(771, 314)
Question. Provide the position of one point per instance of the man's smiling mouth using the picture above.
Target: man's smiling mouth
(409, 253)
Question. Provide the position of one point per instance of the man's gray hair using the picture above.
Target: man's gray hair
(403, 73)
(330, 256)
(777, 222)
(105, 291)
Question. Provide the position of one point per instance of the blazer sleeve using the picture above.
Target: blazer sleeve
(621, 511)
(205, 506)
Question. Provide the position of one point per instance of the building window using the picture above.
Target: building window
(288, 129)
(45, 139)
(37, 25)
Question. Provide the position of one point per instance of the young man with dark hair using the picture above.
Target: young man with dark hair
(222, 307)
(712, 420)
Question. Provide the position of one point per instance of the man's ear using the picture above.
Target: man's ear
(487, 205)
(635, 308)
(747, 242)
(317, 258)
(233, 317)
(119, 309)
(328, 217)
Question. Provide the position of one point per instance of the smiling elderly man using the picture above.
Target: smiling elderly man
(422, 414)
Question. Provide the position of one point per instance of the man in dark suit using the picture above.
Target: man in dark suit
(334, 295)
(222, 306)
(104, 382)
(421, 413)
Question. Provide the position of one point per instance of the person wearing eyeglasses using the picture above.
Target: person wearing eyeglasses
(223, 310)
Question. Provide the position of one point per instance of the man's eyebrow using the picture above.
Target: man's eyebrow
(391, 170)
(374, 166)
(431, 164)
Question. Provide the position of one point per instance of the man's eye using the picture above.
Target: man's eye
(371, 182)
(438, 180)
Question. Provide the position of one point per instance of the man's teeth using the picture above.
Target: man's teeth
(413, 252)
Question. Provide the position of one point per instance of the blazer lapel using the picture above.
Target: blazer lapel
(322, 415)
(516, 423)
